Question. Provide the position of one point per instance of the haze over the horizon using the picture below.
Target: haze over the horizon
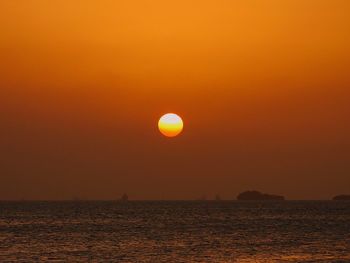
(262, 86)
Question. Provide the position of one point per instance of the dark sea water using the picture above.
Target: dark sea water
(169, 231)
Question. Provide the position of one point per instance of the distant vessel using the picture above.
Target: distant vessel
(217, 197)
(258, 196)
(124, 198)
(341, 198)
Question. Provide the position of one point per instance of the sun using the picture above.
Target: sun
(170, 125)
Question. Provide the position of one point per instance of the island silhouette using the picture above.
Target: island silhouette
(341, 198)
(258, 196)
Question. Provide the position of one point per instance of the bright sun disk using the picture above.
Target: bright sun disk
(170, 125)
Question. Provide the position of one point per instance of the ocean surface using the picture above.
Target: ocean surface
(175, 231)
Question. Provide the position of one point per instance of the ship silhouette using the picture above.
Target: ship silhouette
(258, 196)
(124, 198)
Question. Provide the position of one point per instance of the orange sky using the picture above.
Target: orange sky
(263, 88)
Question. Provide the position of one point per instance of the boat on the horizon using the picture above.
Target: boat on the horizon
(258, 196)
(124, 198)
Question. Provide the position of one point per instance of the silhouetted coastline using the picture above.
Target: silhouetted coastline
(341, 198)
(258, 196)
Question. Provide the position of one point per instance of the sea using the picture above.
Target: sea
(175, 231)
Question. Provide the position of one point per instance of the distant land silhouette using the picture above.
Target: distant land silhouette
(341, 198)
(256, 195)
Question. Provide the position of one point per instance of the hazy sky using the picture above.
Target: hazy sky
(262, 86)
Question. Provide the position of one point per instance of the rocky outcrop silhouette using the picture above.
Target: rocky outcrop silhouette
(258, 196)
(341, 198)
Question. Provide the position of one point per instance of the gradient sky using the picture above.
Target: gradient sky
(262, 86)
